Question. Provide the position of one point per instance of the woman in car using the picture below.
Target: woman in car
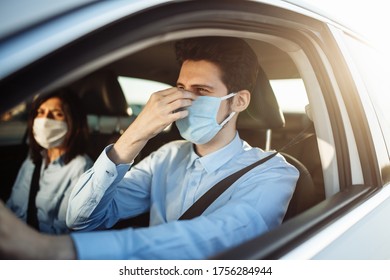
(57, 135)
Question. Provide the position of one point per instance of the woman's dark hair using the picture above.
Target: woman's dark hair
(77, 136)
(235, 58)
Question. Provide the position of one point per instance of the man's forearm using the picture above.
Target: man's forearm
(60, 247)
(126, 149)
(19, 241)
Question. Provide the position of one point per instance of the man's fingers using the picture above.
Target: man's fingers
(163, 108)
(170, 101)
(167, 92)
(179, 104)
(174, 94)
(177, 115)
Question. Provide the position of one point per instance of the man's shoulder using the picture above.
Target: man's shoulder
(171, 152)
(176, 144)
(174, 148)
(256, 154)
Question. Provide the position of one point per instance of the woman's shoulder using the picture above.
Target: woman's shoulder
(27, 163)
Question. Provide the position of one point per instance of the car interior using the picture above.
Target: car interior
(264, 124)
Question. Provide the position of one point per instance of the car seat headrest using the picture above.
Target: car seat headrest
(263, 111)
(102, 95)
(309, 112)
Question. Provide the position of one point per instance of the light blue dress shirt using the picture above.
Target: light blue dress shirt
(55, 184)
(167, 183)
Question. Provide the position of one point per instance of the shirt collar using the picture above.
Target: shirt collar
(215, 160)
(59, 160)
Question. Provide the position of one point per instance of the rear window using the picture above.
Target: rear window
(290, 94)
(138, 91)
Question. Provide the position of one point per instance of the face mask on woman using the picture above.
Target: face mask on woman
(49, 133)
(200, 126)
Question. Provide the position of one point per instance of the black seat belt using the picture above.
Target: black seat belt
(213, 193)
(32, 218)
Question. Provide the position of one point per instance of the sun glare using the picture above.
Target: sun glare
(369, 18)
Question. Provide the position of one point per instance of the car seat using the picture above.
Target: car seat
(262, 115)
(106, 109)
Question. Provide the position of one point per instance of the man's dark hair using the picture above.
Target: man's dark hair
(76, 119)
(235, 58)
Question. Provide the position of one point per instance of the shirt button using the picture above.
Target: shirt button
(109, 173)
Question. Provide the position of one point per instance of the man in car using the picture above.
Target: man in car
(216, 77)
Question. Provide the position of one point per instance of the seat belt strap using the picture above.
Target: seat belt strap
(213, 193)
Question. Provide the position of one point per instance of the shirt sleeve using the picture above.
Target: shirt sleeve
(79, 166)
(101, 191)
(241, 214)
(18, 200)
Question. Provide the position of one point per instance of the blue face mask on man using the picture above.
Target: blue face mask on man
(200, 126)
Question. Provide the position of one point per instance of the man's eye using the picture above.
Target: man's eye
(202, 91)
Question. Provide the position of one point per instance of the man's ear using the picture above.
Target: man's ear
(241, 100)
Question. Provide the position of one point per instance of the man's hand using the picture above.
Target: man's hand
(163, 108)
(16, 238)
(19, 241)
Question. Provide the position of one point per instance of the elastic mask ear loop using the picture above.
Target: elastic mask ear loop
(231, 115)
(228, 118)
(228, 96)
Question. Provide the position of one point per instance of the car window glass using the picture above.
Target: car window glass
(137, 92)
(13, 124)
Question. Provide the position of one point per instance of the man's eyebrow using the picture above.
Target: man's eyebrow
(198, 86)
